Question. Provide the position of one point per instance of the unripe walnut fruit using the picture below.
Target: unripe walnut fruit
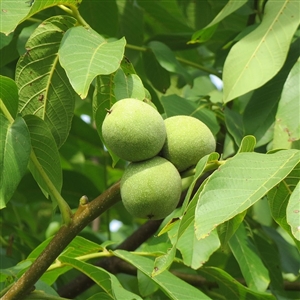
(133, 130)
(150, 189)
(188, 140)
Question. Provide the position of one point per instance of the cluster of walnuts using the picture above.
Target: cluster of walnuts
(158, 150)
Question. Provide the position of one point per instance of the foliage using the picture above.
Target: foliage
(232, 64)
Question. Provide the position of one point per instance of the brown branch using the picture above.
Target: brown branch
(84, 215)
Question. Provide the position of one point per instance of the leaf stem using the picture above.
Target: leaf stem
(86, 257)
(6, 112)
(62, 204)
(74, 12)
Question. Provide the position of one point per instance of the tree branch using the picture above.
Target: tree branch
(86, 213)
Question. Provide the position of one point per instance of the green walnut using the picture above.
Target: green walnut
(150, 189)
(188, 140)
(133, 130)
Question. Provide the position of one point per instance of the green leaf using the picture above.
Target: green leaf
(196, 252)
(234, 124)
(228, 228)
(103, 99)
(78, 247)
(164, 16)
(9, 95)
(271, 259)
(289, 254)
(207, 32)
(128, 86)
(46, 152)
(238, 184)
(175, 105)
(166, 58)
(131, 25)
(293, 212)
(44, 89)
(259, 114)
(230, 288)
(203, 35)
(247, 144)
(127, 66)
(107, 281)
(260, 53)
(14, 156)
(172, 286)
(287, 124)
(146, 285)
(247, 256)
(84, 54)
(106, 11)
(102, 296)
(11, 13)
(187, 220)
(279, 197)
(5, 40)
(159, 76)
(203, 92)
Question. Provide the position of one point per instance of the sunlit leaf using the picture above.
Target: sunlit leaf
(238, 184)
(11, 13)
(44, 89)
(84, 54)
(257, 58)
(247, 144)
